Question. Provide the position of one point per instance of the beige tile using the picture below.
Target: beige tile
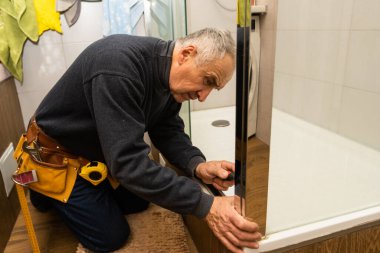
(50, 37)
(72, 51)
(360, 117)
(290, 13)
(43, 65)
(313, 101)
(318, 55)
(201, 14)
(282, 91)
(366, 15)
(290, 49)
(29, 102)
(88, 27)
(363, 61)
(268, 50)
(319, 101)
(314, 15)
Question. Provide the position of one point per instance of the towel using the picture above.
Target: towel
(71, 10)
(17, 24)
(121, 16)
(72, 14)
(47, 16)
(64, 5)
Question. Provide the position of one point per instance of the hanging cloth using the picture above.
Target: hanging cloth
(17, 24)
(47, 16)
(121, 16)
(71, 10)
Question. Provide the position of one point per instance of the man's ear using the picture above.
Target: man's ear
(186, 53)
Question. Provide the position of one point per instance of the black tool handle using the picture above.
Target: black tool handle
(231, 176)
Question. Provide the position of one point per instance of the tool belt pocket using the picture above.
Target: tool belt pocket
(51, 167)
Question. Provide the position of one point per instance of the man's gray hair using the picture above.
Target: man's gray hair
(211, 43)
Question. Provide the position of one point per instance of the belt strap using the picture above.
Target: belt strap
(35, 133)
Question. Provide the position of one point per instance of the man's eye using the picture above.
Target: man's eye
(210, 81)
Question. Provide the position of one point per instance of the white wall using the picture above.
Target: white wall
(201, 14)
(44, 63)
(325, 143)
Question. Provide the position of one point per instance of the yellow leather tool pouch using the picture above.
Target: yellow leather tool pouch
(56, 173)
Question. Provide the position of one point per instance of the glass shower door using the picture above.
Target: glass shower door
(166, 19)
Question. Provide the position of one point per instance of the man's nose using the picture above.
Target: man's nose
(203, 94)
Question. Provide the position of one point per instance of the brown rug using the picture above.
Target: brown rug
(155, 230)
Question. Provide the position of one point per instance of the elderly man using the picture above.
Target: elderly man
(119, 88)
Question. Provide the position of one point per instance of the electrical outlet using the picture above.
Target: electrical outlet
(7, 166)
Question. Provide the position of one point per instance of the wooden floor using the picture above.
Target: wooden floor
(52, 234)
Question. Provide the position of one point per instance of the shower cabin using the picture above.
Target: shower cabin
(300, 121)
(302, 111)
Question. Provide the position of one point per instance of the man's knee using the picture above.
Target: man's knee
(110, 241)
(116, 240)
(39, 201)
(141, 206)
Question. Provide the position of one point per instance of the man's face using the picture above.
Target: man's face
(189, 82)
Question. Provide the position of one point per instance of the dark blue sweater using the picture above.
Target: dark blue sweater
(113, 93)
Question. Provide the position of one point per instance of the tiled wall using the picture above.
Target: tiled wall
(325, 138)
(327, 62)
(45, 62)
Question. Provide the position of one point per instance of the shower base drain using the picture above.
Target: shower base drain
(220, 123)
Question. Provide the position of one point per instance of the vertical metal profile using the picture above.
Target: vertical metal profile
(242, 91)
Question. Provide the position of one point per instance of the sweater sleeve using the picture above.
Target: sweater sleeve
(116, 104)
(172, 141)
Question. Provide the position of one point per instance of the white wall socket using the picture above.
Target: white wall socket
(7, 166)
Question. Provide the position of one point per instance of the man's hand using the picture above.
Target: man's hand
(230, 227)
(215, 173)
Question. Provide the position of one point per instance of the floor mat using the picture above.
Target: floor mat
(155, 230)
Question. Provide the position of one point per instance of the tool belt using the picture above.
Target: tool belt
(47, 167)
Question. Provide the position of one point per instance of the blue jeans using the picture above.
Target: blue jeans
(95, 214)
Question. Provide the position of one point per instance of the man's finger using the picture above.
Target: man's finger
(227, 165)
(241, 243)
(246, 236)
(230, 245)
(244, 225)
(223, 183)
(220, 173)
(219, 187)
